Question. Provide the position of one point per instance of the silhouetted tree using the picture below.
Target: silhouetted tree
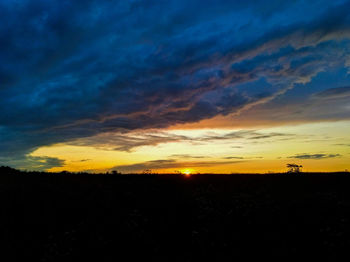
(147, 172)
(294, 168)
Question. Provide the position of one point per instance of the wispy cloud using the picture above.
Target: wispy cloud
(241, 157)
(233, 157)
(169, 164)
(187, 156)
(315, 156)
(333, 93)
(131, 140)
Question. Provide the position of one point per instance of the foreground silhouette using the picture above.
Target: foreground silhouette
(72, 217)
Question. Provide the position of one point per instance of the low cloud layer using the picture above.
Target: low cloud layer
(169, 164)
(71, 70)
(32, 163)
(315, 156)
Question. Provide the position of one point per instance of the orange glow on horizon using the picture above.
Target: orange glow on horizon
(215, 151)
(187, 172)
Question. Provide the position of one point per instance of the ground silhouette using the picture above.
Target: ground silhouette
(75, 217)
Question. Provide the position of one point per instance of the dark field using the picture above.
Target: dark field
(172, 218)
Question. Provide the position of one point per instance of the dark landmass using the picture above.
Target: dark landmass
(76, 217)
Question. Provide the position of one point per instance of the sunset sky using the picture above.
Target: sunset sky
(195, 86)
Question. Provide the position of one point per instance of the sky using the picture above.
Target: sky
(174, 85)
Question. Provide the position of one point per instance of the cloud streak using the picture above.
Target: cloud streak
(169, 164)
(315, 156)
(131, 140)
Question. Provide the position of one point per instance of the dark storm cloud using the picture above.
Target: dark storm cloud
(315, 156)
(75, 69)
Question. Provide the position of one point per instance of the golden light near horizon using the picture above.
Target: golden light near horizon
(218, 150)
(187, 172)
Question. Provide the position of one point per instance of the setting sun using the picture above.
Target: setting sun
(187, 172)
